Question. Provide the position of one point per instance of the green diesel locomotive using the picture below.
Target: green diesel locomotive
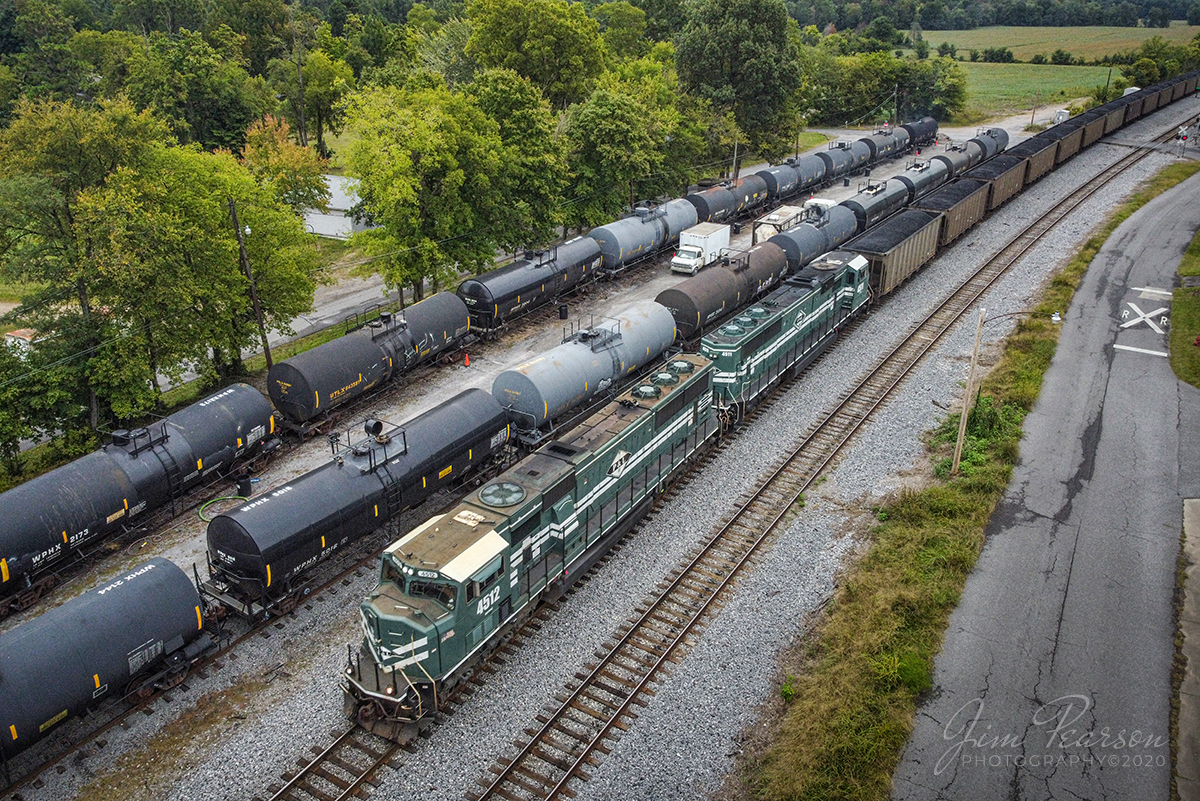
(449, 589)
(785, 331)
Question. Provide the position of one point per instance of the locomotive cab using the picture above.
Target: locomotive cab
(423, 622)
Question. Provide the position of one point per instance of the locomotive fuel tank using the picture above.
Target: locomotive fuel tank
(94, 647)
(591, 361)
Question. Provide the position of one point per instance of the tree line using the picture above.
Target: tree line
(133, 130)
(942, 15)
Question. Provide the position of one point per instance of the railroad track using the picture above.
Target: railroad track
(574, 731)
(341, 771)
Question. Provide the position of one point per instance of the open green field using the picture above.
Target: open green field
(1088, 43)
(996, 89)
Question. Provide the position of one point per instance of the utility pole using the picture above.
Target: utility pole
(967, 403)
(262, 329)
(1035, 107)
(735, 161)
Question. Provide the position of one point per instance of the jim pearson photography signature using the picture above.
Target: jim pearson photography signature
(1055, 736)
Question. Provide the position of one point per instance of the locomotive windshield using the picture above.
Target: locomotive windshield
(392, 572)
(443, 594)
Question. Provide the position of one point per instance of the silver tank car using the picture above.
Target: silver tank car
(631, 238)
(590, 362)
(52, 516)
(923, 176)
(992, 141)
(498, 296)
(877, 202)
(313, 382)
(144, 626)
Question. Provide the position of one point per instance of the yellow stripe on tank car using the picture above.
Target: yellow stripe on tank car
(469, 457)
(322, 542)
(545, 408)
(96, 676)
(65, 537)
(377, 510)
(126, 503)
(422, 482)
(199, 619)
(13, 729)
(4, 569)
(272, 424)
(317, 395)
(268, 575)
(239, 442)
(199, 466)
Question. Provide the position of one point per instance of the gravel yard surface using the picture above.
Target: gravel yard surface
(280, 696)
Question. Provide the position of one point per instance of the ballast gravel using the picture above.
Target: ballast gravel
(236, 730)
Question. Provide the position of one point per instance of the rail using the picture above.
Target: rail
(602, 698)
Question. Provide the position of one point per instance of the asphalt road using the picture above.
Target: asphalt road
(1054, 678)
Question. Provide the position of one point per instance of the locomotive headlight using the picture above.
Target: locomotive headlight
(389, 691)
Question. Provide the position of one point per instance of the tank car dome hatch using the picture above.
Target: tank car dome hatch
(502, 493)
(665, 379)
(646, 392)
(680, 367)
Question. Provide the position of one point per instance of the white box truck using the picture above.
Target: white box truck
(700, 246)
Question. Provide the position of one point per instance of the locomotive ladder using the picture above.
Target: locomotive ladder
(575, 730)
(339, 772)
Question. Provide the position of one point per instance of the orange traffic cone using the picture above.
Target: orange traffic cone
(468, 364)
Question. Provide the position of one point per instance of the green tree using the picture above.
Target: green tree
(738, 54)
(204, 97)
(1142, 72)
(431, 168)
(611, 147)
(164, 234)
(444, 52)
(295, 174)
(551, 42)
(13, 426)
(1060, 57)
(46, 64)
(622, 29)
(51, 155)
(534, 158)
(107, 56)
(166, 16)
(263, 24)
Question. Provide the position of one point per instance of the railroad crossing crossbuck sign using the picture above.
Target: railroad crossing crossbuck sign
(1144, 317)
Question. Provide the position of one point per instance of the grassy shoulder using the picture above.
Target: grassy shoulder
(850, 711)
(1185, 320)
